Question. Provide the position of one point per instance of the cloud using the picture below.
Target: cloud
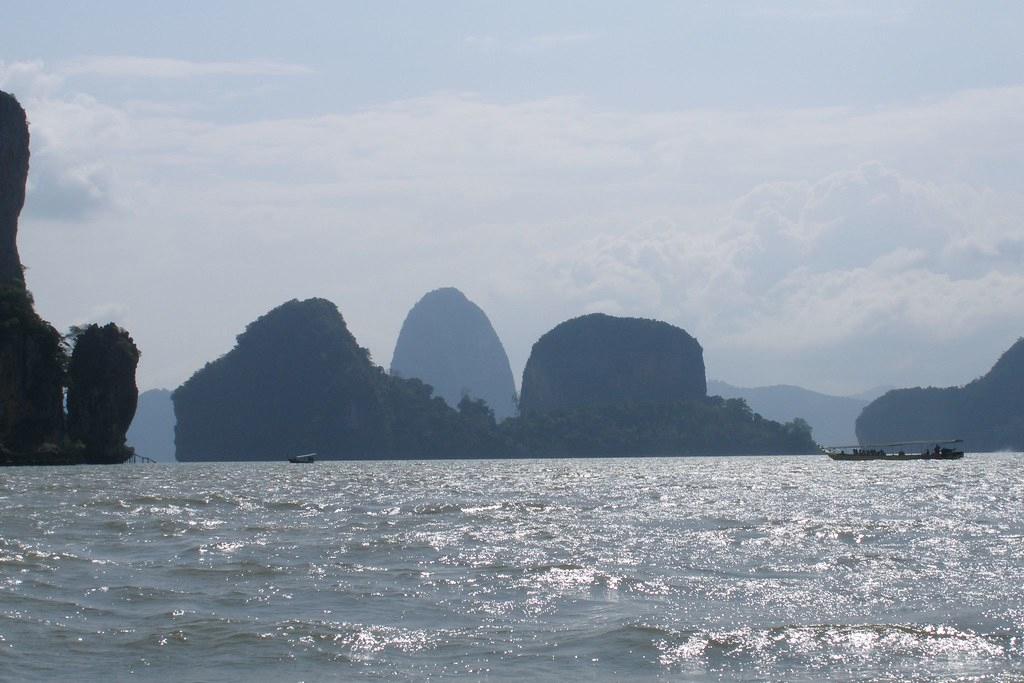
(28, 78)
(57, 192)
(73, 174)
(864, 258)
(37, 78)
(150, 67)
(791, 242)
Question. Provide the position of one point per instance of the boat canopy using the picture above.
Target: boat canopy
(896, 444)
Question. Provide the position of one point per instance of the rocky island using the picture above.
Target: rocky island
(297, 381)
(448, 342)
(988, 413)
(606, 385)
(602, 359)
(35, 365)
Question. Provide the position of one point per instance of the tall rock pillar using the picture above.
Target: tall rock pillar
(13, 174)
(102, 394)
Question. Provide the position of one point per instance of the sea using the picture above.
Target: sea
(695, 569)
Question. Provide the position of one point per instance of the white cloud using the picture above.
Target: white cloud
(37, 78)
(152, 67)
(784, 239)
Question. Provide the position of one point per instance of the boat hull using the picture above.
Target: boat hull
(950, 455)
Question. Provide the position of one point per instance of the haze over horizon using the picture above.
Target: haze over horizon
(824, 194)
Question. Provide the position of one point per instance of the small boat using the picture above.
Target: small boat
(304, 458)
(943, 449)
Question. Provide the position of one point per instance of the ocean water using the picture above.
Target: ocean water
(771, 568)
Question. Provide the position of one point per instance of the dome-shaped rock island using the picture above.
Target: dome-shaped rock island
(448, 342)
(600, 359)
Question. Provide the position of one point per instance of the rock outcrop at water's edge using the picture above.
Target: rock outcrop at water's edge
(988, 413)
(599, 359)
(32, 360)
(297, 381)
(33, 356)
(102, 395)
(448, 342)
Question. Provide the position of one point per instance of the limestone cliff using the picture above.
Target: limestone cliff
(13, 174)
(448, 342)
(31, 355)
(102, 395)
(988, 413)
(31, 379)
(33, 358)
(599, 359)
(297, 381)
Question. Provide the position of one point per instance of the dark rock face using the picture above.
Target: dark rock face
(988, 413)
(31, 376)
(706, 426)
(448, 342)
(13, 174)
(31, 355)
(102, 395)
(599, 359)
(152, 430)
(296, 382)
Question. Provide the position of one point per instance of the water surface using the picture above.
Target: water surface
(783, 568)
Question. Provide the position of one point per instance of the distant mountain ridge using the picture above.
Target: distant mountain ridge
(832, 418)
(988, 413)
(151, 433)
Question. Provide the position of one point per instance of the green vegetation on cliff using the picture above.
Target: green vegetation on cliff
(988, 413)
(34, 361)
(297, 381)
(32, 367)
(102, 395)
(706, 426)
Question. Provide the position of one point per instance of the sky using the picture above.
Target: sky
(827, 194)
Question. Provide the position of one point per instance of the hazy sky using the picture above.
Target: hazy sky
(823, 193)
